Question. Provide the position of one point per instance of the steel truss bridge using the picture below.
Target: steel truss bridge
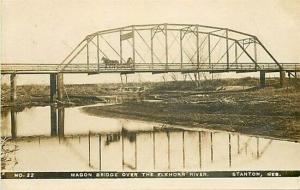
(161, 48)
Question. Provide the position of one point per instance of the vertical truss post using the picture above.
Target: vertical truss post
(121, 60)
(133, 47)
(255, 53)
(166, 42)
(87, 55)
(197, 46)
(98, 58)
(209, 56)
(181, 53)
(151, 48)
(227, 49)
(235, 53)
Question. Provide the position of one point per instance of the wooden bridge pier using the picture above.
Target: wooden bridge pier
(53, 87)
(13, 88)
(60, 87)
(262, 79)
(282, 78)
(56, 87)
(57, 113)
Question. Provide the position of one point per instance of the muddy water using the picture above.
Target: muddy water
(66, 139)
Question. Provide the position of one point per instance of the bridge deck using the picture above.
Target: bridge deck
(145, 67)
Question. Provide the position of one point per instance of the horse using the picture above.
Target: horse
(109, 63)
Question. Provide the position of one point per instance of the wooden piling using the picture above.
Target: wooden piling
(13, 88)
(60, 87)
(282, 78)
(53, 87)
(262, 79)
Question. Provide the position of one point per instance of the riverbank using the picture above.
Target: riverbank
(74, 95)
(85, 94)
(268, 112)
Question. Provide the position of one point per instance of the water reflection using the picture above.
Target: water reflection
(108, 144)
(57, 120)
(53, 121)
(61, 121)
(13, 120)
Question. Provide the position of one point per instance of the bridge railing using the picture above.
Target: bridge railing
(171, 66)
(180, 66)
(291, 66)
(29, 67)
(145, 67)
(159, 67)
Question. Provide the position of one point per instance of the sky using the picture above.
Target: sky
(35, 31)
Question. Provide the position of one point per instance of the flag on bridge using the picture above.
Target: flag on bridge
(127, 36)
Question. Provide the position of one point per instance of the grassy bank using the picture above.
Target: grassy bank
(267, 112)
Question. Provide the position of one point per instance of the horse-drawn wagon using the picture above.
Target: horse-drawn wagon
(114, 64)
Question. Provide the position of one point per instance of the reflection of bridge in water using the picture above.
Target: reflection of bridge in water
(156, 149)
(159, 48)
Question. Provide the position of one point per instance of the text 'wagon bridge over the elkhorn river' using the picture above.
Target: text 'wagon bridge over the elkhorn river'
(159, 48)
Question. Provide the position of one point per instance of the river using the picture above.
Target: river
(67, 139)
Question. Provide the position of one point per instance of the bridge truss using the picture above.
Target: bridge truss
(171, 48)
(160, 48)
